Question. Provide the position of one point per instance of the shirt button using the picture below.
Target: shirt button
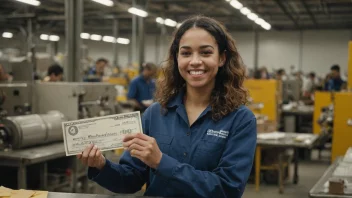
(185, 154)
(188, 133)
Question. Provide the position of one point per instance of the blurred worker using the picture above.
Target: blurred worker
(309, 85)
(142, 88)
(281, 75)
(55, 73)
(96, 73)
(335, 83)
(3, 75)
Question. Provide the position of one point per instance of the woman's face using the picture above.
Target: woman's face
(198, 58)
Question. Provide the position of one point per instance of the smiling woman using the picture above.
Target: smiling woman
(204, 55)
(199, 138)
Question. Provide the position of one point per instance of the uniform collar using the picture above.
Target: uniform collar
(178, 101)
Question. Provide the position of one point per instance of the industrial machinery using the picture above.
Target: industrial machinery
(15, 99)
(291, 90)
(18, 132)
(76, 100)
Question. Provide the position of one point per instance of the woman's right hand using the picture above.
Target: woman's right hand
(92, 157)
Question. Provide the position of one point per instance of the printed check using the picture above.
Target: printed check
(106, 132)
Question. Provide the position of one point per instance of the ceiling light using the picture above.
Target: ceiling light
(30, 2)
(259, 21)
(159, 20)
(44, 37)
(109, 39)
(245, 11)
(85, 36)
(7, 35)
(138, 12)
(227, 0)
(170, 22)
(54, 38)
(252, 16)
(236, 4)
(105, 2)
(266, 26)
(95, 37)
(123, 41)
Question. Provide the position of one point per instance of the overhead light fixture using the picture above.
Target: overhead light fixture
(54, 38)
(85, 35)
(138, 12)
(266, 26)
(95, 37)
(259, 21)
(236, 4)
(7, 35)
(245, 11)
(44, 37)
(159, 20)
(252, 16)
(170, 22)
(228, 0)
(105, 2)
(109, 39)
(30, 2)
(123, 41)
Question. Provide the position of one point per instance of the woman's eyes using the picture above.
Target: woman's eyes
(203, 53)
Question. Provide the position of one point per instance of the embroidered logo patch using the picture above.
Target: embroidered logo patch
(220, 134)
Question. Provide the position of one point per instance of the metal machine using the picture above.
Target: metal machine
(76, 100)
(15, 99)
(17, 132)
(291, 90)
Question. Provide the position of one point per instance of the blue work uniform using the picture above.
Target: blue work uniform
(335, 84)
(140, 89)
(92, 76)
(207, 159)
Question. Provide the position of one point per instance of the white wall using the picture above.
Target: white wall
(277, 49)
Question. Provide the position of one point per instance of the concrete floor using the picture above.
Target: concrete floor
(309, 174)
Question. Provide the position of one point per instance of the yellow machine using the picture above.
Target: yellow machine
(321, 99)
(342, 132)
(265, 92)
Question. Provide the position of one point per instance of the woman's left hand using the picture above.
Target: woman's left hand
(144, 148)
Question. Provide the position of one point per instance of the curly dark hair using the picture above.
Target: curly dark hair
(228, 93)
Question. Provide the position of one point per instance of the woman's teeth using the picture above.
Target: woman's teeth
(196, 72)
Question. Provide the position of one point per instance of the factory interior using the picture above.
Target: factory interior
(66, 60)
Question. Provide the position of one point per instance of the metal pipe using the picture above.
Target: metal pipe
(300, 66)
(73, 14)
(256, 49)
(141, 41)
(115, 45)
(134, 36)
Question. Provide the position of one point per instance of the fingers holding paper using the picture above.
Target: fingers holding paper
(144, 148)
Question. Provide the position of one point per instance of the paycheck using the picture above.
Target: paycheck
(106, 132)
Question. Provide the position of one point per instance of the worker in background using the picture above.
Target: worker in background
(141, 89)
(335, 83)
(281, 75)
(262, 73)
(55, 73)
(199, 139)
(309, 85)
(4, 76)
(96, 73)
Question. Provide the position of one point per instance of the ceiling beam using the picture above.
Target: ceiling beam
(312, 17)
(283, 8)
